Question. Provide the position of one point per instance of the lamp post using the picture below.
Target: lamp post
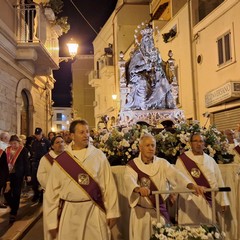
(72, 48)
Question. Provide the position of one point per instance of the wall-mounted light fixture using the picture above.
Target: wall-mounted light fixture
(72, 48)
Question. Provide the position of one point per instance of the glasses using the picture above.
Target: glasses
(196, 141)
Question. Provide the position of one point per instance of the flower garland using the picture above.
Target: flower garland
(121, 145)
(164, 232)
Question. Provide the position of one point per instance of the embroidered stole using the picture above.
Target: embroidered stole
(196, 174)
(49, 158)
(152, 187)
(11, 159)
(237, 149)
(83, 179)
(1, 151)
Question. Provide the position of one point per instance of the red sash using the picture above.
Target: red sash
(196, 174)
(151, 185)
(237, 149)
(1, 151)
(49, 158)
(11, 159)
(81, 177)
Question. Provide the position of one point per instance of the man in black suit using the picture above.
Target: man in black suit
(40, 147)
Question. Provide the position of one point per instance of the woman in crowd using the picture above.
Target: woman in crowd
(18, 165)
(51, 135)
(57, 147)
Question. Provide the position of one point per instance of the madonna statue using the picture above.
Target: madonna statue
(146, 79)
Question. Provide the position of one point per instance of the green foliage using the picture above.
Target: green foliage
(57, 7)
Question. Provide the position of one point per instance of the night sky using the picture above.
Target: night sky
(96, 12)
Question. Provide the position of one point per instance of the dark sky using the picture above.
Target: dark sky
(96, 12)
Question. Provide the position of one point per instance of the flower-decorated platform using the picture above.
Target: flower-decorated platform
(151, 117)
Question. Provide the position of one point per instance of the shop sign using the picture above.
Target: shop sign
(228, 92)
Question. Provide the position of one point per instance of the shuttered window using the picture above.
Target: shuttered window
(224, 49)
(227, 119)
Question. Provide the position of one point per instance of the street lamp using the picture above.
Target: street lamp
(72, 48)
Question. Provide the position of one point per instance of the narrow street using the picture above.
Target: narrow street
(28, 215)
(35, 232)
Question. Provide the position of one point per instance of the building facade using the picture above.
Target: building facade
(61, 119)
(28, 54)
(83, 93)
(203, 37)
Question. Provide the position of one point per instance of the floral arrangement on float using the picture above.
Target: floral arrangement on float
(121, 144)
(167, 232)
(170, 144)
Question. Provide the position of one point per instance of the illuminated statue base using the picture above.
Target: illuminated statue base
(151, 117)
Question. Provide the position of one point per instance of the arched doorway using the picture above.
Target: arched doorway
(25, 116)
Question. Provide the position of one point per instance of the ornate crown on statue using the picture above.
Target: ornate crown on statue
(144, 30)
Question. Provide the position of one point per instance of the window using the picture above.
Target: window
(59, 127)
(59, 116)
(224, 49)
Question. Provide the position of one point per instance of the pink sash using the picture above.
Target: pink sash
(11, 159)
(49, 158)
(151, 185)
(196, 174)
(81, 177)
(237, 149)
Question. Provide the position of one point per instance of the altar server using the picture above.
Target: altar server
(82, 181)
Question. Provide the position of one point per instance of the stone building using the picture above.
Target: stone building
(28, 54)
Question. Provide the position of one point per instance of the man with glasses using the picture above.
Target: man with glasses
(204, 171)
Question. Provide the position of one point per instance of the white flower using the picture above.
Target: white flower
(159, 225)
(223, 234)
(105, 137)
(125, 143)
(134, 146)
(217, 235)
(183, 232)
(154, 223)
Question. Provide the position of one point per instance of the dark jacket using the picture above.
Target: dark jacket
(4, 173)
(21, 167)
(39, 149)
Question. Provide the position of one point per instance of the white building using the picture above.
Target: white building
(61, 118)
(204, 47)
(115, 36)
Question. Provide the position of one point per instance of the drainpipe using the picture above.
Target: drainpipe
(192, 54)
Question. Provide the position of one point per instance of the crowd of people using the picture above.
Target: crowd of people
(19, 163)
(78, 190)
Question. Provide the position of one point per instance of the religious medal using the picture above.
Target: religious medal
(83, 179)
(195, 172)
(145, 182)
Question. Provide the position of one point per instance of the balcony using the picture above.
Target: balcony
(106, 67)
(37, 38)
(94, 78)
(160, 9)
